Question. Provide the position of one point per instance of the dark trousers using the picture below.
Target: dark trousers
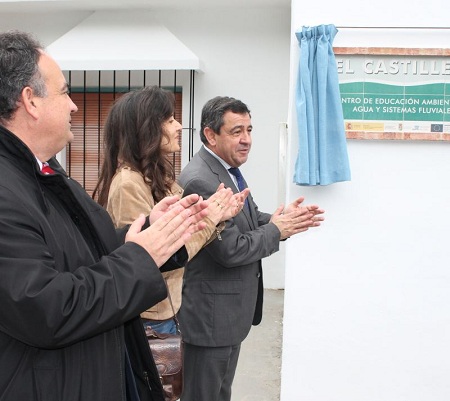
(209, 372)
(132, 391)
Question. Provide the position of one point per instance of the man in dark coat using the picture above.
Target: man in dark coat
(223, 287)
(71, 286)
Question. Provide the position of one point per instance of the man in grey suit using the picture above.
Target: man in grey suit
(223, 288)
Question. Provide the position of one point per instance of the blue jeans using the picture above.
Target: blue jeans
(162, 326)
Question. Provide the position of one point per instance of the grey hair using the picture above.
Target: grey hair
(213, 111)
(19, 57)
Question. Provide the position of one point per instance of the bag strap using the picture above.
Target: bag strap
(175, 318)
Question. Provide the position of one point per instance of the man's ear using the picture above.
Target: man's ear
(210, 136)
(28, 101)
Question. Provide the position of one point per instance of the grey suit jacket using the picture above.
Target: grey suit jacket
(223, 288)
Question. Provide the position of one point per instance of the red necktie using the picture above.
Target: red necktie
(46, 169)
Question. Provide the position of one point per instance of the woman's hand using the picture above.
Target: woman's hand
(235, 204)
(218, 204)
(193, 202)
(224, 205)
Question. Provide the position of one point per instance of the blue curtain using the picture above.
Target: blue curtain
(322, 157)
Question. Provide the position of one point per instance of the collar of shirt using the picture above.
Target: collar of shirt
(224, 164)
(39, 162)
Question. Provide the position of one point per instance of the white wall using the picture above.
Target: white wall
(367, 294)
(47, 25)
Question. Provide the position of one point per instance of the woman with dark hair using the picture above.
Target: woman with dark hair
(140, 133)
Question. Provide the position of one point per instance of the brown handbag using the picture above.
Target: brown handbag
(167, 351)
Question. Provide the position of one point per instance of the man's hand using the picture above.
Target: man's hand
(296, 218)
(168, 233)
(316, 210)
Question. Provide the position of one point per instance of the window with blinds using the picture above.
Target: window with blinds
(95, 91)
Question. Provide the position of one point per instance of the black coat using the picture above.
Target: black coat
(70, 293)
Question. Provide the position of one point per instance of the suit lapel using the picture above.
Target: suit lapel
(223, 176)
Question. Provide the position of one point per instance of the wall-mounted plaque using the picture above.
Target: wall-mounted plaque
(390, 93)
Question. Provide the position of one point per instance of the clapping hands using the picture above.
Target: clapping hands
(296, 218)
(173, 221)
(224, 205)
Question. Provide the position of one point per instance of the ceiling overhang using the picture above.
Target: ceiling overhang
(122, 40)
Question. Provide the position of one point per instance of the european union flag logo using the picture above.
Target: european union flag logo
(437, 127)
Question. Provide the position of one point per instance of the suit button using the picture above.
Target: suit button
(258, 275)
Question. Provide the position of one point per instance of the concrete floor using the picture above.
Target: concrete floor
(258, 372)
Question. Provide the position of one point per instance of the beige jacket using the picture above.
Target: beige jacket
(130, 195)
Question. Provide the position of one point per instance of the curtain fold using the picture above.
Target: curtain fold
(322, 157)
